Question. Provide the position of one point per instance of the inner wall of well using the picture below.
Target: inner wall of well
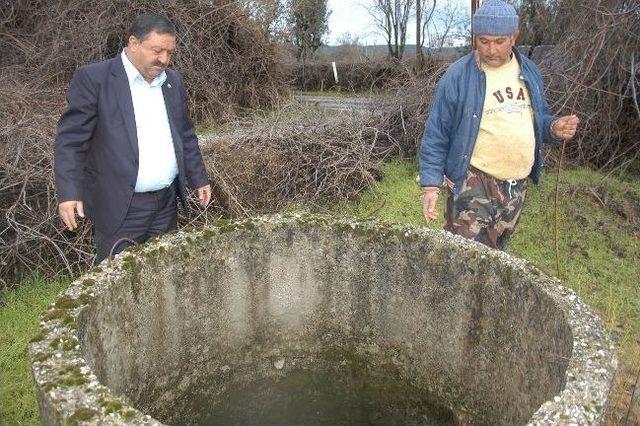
(229, 307)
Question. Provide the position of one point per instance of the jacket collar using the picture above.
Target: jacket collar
(124, 100)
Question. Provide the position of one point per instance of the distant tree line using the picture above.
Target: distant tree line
(303, 24)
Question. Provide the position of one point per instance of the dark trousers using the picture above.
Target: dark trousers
(150, 214)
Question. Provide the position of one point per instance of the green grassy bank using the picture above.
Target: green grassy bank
(20, 311)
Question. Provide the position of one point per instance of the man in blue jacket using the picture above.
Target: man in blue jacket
(486, 127)
(126, 146)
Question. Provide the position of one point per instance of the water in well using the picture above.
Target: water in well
(338, 396)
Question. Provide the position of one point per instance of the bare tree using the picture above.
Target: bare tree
(448, 25)
(424, 15)
(349, 48)
(428, 11)
(541, 21)
(419, 56)
(309, 21)
(270, 15)
(392, 18)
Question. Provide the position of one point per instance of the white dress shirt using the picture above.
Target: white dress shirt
(157, 159)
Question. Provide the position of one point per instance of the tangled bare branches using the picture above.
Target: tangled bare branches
(226, 61)
(353, 76)
(30, 235)
(404, 114)
(594, 73)
(316, 158)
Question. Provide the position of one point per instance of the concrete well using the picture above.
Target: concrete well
(187, 318)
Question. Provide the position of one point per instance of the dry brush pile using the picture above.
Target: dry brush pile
(227, 63)
(594, 72)
(255, 168)
(30, 232)
(315, 159)
(404, 115)
(352, 76)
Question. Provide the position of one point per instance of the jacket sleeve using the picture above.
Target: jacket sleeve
(195, 170)
(437, 134)
(75, 130)
(547, 120)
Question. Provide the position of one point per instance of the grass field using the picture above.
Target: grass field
(600, 259)
(19, 314)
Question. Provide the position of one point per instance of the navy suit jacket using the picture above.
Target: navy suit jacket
(96, 152)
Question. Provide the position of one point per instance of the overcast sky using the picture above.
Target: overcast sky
(350, 16)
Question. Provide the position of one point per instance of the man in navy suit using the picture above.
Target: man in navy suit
(126, 146)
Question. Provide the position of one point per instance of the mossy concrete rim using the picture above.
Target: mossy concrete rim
(70, 393)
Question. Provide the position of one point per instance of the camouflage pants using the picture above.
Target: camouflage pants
(486, 209)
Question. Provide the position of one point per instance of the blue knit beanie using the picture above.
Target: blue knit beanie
(495, 18)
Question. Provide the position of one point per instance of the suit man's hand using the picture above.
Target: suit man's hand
(429, 200)
(204, 195)
(564, 128)
(67, 211)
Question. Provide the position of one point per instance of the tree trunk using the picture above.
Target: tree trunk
(475, 4)
(419, 57)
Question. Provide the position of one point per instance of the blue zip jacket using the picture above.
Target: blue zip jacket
(454, 121)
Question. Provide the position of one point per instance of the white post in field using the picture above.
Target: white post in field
(335, 71)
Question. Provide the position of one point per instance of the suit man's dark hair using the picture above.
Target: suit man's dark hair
(151, 22)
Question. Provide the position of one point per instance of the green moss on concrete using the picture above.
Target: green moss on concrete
(81, 415)
(88, 282)
(53, 314)
(71, 376)
(42, 356)
(224, 226)
(85, 299)
(129, 263)
(221, 226)
(66, 302)
(110, 405)
(128, 415)
(38, 337)
(70, 343)
(72, 380)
